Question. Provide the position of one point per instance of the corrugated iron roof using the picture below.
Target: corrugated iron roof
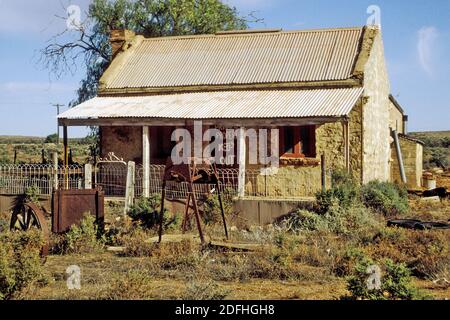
(222, 105)
(254, 58)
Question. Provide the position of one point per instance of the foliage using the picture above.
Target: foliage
(344, 192)
(385, 197)
(395, 282)
(53, 138)
(32, 194)
(204, 289)
(152, 18)
(439, 158)
(20, 262)
(85, 238)
(132, 285)
(211, 210)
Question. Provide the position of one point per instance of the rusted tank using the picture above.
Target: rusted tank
(69, 207)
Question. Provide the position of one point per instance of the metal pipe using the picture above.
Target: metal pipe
(399, 155)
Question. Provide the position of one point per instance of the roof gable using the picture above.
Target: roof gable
(237, 59)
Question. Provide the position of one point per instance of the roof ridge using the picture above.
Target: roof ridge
(250, 33)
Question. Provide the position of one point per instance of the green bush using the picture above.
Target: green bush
(85, 238)
(146, 212)
(211, 210)
(356, 221)
(20, 262)
(344, 192)
(394, 282)
(386, 198)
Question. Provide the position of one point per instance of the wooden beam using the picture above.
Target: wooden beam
(231, 123)
(66, 158)
(146, 161)
(242, 158)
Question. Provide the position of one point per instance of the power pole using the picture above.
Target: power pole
(57, 105)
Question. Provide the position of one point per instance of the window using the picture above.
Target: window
(298, 142)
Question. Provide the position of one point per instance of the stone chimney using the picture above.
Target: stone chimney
(118, 38)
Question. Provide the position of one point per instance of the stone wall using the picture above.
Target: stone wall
(396, 118)
(412, 153)
(125, 142)
(376, 137)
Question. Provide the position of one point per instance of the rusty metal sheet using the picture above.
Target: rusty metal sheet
(69, 207)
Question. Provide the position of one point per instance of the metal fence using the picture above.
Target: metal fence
(16, 179)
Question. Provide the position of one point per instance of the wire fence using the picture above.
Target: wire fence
(16, 179)
(112, 177)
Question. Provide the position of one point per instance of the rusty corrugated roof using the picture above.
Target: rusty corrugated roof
(254, 58)
(222, 105)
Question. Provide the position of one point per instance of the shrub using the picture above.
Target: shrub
(303, 220)
(211, 210)
(4, 222)
(134, 285)
(394, 282)
(84, 238)
(203, 289)
(146, 211)
(20, 262)
(344, 193)
(137, 245)
(386, 198)
(426, 253)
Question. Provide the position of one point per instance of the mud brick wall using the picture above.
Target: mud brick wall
(125, 142)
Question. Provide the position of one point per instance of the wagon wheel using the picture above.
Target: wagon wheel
(27, 217)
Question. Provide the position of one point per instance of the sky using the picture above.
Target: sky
(416, 37)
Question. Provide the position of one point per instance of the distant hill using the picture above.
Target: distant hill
(437, 147)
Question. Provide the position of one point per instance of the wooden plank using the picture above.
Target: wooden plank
(146, 161)
(242, 153)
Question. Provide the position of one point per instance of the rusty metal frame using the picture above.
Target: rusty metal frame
(190, 173)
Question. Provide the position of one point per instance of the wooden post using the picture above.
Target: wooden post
(131, 181)
(346, 135)
(88, 176)
(146, 162)
(55, 169)
(66, 158)
(242, 150)
(324, 172)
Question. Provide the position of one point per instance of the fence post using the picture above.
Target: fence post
(131, 181)
(55, 169)
(88, 176)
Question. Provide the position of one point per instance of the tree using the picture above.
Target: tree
(89, 39)
(53, 138)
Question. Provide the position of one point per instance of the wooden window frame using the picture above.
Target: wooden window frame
(298, 141)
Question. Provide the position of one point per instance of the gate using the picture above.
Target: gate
(110, 174)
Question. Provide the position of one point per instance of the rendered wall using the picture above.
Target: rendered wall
(376, 133)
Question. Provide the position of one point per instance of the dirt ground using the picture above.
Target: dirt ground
(96, 269)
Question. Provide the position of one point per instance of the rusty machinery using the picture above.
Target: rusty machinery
(68, 208)
(191, 174)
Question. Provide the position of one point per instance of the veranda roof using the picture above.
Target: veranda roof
(273, 104)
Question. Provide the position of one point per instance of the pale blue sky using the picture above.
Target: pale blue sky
(416, 38)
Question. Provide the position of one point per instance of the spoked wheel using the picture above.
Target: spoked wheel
(30, 217)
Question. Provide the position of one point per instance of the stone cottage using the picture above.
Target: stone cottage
(327, 91)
